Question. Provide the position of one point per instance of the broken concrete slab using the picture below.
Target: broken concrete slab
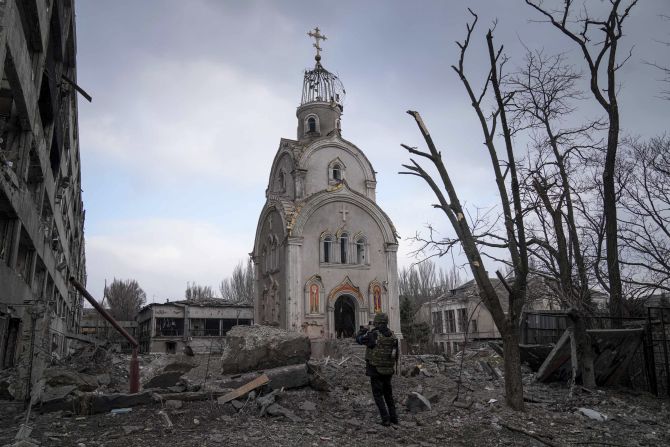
(56, 377)
(252, 348)
(316, 379)
(292, 376)
(277, 410)
(592, 414)
(90, 403)
(164, 380)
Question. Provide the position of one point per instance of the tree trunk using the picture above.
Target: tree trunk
(513, 382)
(584, 348)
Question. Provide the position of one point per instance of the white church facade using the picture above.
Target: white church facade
(324, 252)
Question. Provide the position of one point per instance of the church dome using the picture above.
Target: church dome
(320, 85)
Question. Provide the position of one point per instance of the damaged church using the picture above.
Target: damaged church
(324, 251)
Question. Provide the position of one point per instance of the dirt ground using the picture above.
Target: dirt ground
(346, 415)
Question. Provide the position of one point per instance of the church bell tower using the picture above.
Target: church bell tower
(322, 101)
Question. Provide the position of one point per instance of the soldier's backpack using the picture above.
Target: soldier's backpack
(381, 356)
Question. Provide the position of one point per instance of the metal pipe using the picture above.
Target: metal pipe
(134, 363)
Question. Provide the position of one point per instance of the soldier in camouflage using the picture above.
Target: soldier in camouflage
(381, 359)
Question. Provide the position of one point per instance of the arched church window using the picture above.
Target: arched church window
(311, 124)
(327, 248)
(344, 243)
(337, 172)
(360, 251)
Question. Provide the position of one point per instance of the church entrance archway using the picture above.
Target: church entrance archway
(345, 316)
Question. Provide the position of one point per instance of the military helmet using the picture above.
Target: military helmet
(381, 317)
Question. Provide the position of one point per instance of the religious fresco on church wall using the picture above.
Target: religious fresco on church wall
(314, 294)
(377, 299)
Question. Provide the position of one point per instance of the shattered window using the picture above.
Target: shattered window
(169, 326)
(451, 321)
(462, 319)
(437, 323)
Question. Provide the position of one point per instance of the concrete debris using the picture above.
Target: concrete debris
(417, 403)
(277, 410)
(174, 404)
(448, 406)
(593, 414)
(128, 429)
(308, 406)
(166, 419)
(264, 402)
(58, 377)
(292, 376)
(253, 348)
(237, 405)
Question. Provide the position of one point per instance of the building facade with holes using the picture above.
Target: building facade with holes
(41, 208)
(324, 252)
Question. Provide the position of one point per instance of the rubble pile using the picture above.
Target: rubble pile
(250, 348)
(441, 400)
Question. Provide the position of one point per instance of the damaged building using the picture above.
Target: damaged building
(199, 324)
(325, 253)
(41, 208)
(100, 331)
(460, 314)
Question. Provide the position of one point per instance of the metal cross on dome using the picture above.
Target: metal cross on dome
(316, 34)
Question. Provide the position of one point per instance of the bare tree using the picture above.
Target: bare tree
(239, 288)
(195, 292)
(601, 56)
(544, 92)
(506, 176)
(645, 220)
(125, 298)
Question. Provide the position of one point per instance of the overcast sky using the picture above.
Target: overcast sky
(190, 99)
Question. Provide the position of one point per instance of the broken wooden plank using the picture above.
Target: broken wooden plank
(615, 348)
(534, 355)
(487, 368)
(244, 389)
(556, 358)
